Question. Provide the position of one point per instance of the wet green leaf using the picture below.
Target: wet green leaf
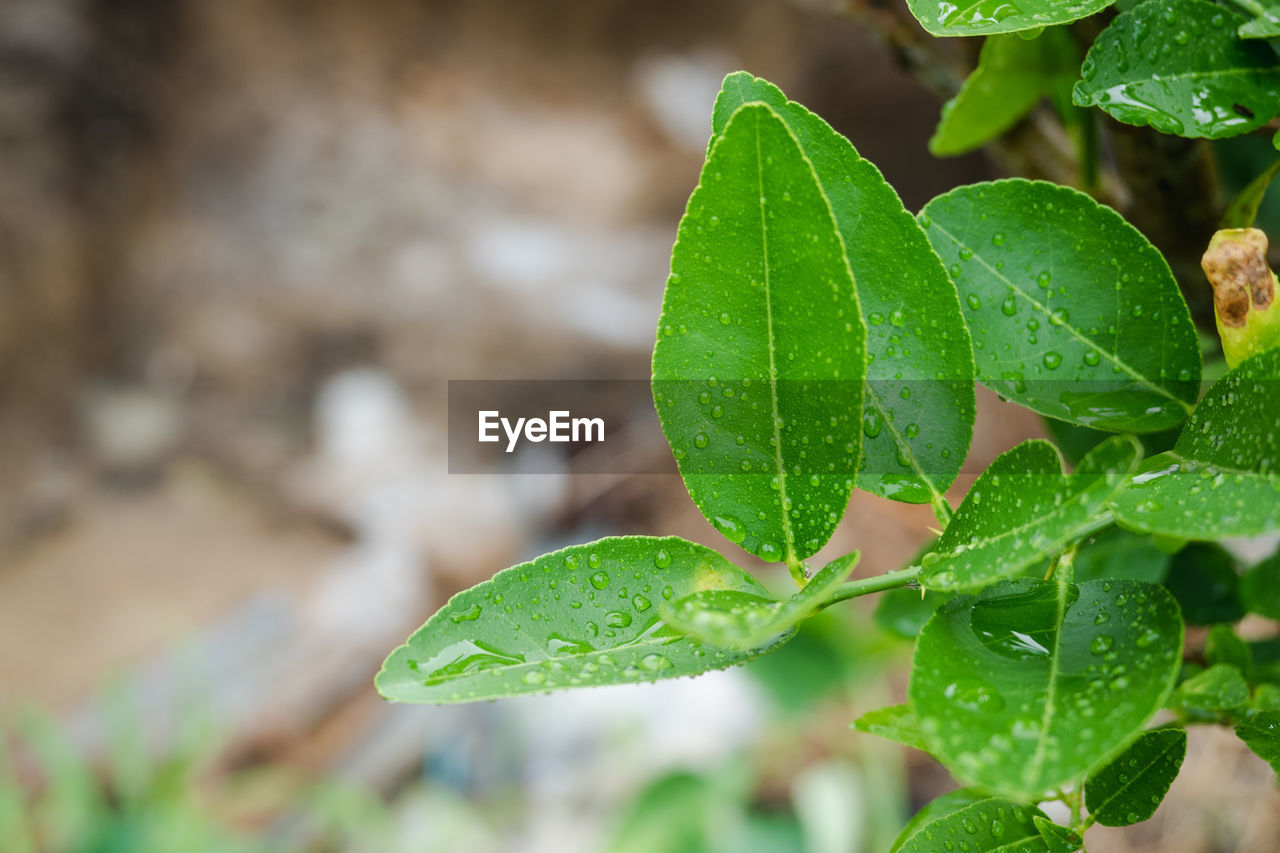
(730, 619)
(759, 365)
(583, 616)
(1203, 578)
(1224, 646)
(1265, 19)
(1059, 839)
(1179, 66)
(1261, 733)
(948, 803)
(1073, 313)
(1012, 76)
(1024, 509)
(1222, 478)
(918, 417)
(1219, 688)
(1260, 588)
(1129, 788)
(984, 17)
(1028, 684)
(988, 826)
(896, 723)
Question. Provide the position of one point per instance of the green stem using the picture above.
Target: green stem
(942, 510)
(879, 583)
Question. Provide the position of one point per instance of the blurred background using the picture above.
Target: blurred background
(243, 247)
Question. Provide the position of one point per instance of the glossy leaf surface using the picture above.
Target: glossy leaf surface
(1219, 688)
(1129, 788)
(1222, 478)
(989, 826)
(1024, 509)
(1073, 313)
(985, 17)
(1028, 684)
(732, 619)
(1059, 839)
(1261, 733)
(948, 803)
(760, 358)
(1265, 23)
(1012, 76)
(580, 617)
(897, 723)
(919, 410)
(1178, 66)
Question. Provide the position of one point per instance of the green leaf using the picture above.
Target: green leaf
(1265, 23)
(1203, 579)
(918, 417)
(672, 814)
(822, 657)
(1013, 74)
(583, 616)
(1116, 553)
(1178, 66)
(948, 803)
(896, 723)
(1266, 660)
(1073, 313)
(1260, 588)
(1261, 733)
(984, 17)
(1219, 688)
(1028, 684)
(1129, 788)
(1222, 478)
(1224, 646)
(1266, 697)
(1059, 839)
(1243, 209)
(989, 826)
(736, 620)
(760, 393)
(1023, 509)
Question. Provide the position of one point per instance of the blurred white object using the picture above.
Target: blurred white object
(677, 88)
(587, 750)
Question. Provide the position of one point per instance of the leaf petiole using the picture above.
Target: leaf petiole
(878, 583)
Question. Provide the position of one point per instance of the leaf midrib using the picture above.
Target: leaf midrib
(788, 534)
(1033, 771)
(902, 442)
(1076, 333)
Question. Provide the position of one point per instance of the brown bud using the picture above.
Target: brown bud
(1236, 265)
